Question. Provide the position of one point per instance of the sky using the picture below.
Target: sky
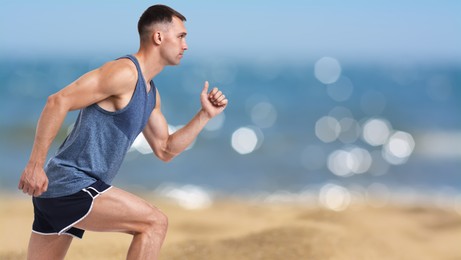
(261, 30)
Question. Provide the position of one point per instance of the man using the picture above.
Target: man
(72, 192)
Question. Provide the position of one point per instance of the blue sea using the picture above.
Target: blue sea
(290, 128)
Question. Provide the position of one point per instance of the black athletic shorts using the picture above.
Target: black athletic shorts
(57, 216)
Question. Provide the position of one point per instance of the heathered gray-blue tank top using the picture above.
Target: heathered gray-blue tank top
(99, 141)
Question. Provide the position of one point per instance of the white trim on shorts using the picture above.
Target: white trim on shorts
(55, 234)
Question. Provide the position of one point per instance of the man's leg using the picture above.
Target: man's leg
(48, 246)
(120, 211)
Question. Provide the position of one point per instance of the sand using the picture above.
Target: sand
(232, 229)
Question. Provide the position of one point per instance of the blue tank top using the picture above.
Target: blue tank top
(99, 141)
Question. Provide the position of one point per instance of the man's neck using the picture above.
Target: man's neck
(150, 64)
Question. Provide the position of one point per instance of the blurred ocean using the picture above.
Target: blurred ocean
(290, 128)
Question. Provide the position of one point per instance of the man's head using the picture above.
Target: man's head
(164, 27)
(156, 16)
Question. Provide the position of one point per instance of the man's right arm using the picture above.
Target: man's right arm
(33, 180)
(95, 86)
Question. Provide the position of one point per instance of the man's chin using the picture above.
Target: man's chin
(174, 63)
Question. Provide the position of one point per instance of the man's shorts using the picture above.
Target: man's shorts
(57, 216)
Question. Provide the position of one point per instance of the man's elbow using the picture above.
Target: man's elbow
(166, 159)
(56, 102)
(53, 100)
(165, 156)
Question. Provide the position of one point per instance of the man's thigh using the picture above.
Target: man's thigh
(48, 246)
(119, 211)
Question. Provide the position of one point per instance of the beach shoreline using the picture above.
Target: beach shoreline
(237, 229)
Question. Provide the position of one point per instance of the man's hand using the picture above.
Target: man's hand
(213, 103)
(33, 180)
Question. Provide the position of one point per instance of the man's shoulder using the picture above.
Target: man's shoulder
(122, 70)
(120, 66)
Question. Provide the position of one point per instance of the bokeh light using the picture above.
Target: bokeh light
(376, 131)
(141, 145)
(187, 196)
(335, 197)
(360, 160)
(264, 114)
(327, 129)
(340, 112)
(398, 148)
(245, 140)
(338, 163)
(350, 130)
(346, 162)
(327, 70)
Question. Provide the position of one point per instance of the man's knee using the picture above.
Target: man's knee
(157, 222)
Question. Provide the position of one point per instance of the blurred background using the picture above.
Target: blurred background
(330, 101)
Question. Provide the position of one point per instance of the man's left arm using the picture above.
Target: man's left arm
(166, 146)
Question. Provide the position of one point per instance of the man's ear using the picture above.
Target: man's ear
(157, 37)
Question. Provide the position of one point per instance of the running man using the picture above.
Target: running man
(72, 192)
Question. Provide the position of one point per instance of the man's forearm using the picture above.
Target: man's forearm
(48, 125)
(182, 138)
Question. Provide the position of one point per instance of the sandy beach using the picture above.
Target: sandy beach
(231, 229)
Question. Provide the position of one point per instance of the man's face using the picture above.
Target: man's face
(174, 42)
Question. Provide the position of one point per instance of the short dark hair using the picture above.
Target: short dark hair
(156, 14)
